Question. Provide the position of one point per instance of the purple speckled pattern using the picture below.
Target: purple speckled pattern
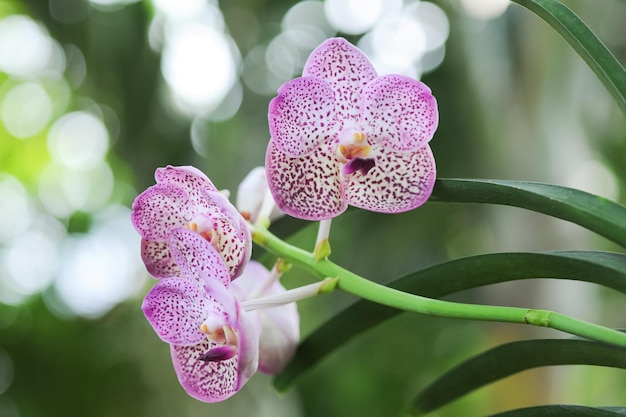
(177, 307)
(306, 187)
(413, 176)
(196, 257)
(158, 259)
(180, 196)
(346, 69)
(371, 151)
(189, 178)
(399, 112)
(212, 381)
(302, 115)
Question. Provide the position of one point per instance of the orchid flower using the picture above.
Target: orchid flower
(185, 197)
(280, 325)
(342, 135)
(214, 342)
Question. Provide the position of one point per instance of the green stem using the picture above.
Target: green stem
(361, 287)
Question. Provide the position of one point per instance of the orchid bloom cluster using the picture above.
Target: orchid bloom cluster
(198, 246)
(340, 135)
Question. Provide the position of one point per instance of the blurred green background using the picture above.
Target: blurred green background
(95, 94)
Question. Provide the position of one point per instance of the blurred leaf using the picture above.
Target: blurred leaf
(604, 268)
(585, 43)
(564, 411)
(598, 214)
(287, 226)
(511, 358)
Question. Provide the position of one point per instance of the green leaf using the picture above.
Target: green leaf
(603, 268)
(564, 411)
(595, 213)
(511, 358)
(585, 43)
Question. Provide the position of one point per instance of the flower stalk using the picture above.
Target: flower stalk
(364, 288)
(322, 245)
(306, 291)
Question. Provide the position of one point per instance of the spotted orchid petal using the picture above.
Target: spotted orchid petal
(346, 69)
(307, 187)
(233, 239)
(196, 257)
(302, 115)
(189, 178)
(399, 112)
(159, 209)
(399, 182)
(184, 197)
(280, 326)
(176, 308)
(158, 259)
(211, 380)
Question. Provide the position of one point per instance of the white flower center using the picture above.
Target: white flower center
(203, 225)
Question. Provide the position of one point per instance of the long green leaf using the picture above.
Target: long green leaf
(511, 358)
(585, 43)
(599, 214)
(595, 213)
(603, 268)
(564, 411)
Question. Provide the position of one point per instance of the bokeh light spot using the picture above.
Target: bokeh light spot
(78, 140)
(15, 208)
(25, 47)
(308, 15)
(26, 110)
(485, 9)
(101, 269)
(31, 259)
(353, 17)
(199, 66)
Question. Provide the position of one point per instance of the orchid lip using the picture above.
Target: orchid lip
(219, 354)
(363, 165)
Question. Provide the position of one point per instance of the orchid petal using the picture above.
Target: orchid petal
(206, 381)
(212, 381)
(158, 259)
(189, 178)
(280, 334)
(176, 307)
(399, 112)
(308, 188)
(160, 209)
(302, 115)
(346, 69)
(233, 244)
(399, 182)
(196, 257)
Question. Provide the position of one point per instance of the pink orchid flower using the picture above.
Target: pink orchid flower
(342, 135)
(185, 197)
(214, 342)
